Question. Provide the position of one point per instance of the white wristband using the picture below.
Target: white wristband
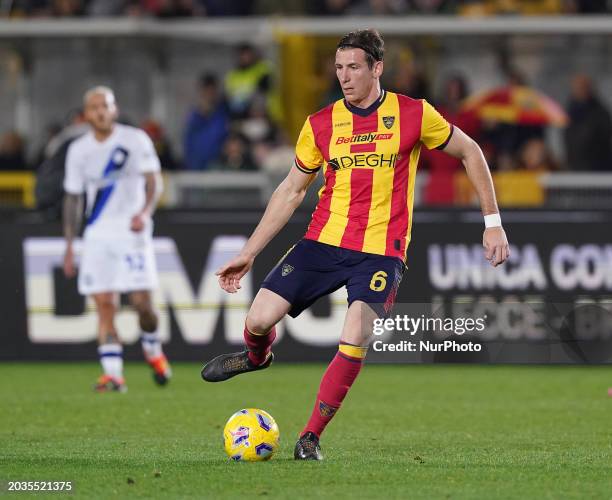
(492, 220)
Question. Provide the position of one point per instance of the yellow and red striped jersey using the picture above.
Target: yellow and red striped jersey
(370, 158)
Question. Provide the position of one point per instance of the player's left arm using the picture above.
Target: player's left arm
(153, 191)
(149, 166)
(461, 146)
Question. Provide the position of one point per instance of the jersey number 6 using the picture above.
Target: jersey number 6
(379, 281)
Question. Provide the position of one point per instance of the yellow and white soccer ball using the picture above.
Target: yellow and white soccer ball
(251, 435)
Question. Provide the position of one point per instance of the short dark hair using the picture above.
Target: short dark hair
(368, 40)
(208, 80)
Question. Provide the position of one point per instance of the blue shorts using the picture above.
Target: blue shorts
(311, 270)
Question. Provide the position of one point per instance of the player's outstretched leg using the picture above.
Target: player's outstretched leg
(337, 379)
(267, 309)
(110, 349)
(149, 337)
(335, 384)
(257, 356)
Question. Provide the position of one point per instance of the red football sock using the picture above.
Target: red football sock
(259, 346)
(336, 382)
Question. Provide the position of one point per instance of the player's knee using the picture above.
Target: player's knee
(259, 322)
(140, 302)
(358, 335)
(106, 308)
(148, 320)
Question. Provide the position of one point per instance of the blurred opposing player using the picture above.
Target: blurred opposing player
(368, 144)
(117, 168)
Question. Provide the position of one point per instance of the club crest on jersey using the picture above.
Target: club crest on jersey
(119, 156)
(388, 121)
(286, 269)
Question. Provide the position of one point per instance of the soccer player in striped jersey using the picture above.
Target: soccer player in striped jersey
(367, 146)
(117, 168)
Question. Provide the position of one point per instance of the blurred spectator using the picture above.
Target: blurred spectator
(51, 130)
(589, 135)
(207, 125)
(280, 7)
(75, 127)
(432, 6)
(225, 8)
(161, 143)
(586, 6)
(525, 7)
(528, 7)
(12, 151)
(251, 77)
(536, 157)
(442, 167)
(213, 8)
(166, 9)
(45, 8)
(67, 8)
(257, 127)
(328, 7)
(276, 157)
(236, 154)
(476, 8)
(378, 8)
(106, 8)
(333, 90)
(408, 79)
(49, 190)
(503, 139)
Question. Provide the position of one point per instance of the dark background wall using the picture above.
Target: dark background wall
(551, 302)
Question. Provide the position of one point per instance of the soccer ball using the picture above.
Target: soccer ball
(251, 435)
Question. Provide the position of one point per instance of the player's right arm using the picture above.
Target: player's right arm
(283, 202)
(285, 199)
(72, 211)
(437, 133)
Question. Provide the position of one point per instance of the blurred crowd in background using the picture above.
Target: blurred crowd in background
(235, 124)
(188, 8)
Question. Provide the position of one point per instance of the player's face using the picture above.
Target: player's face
(355, 76)
(101, 112)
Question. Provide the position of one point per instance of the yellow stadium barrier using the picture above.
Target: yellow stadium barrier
(303, 80)
(17, 189)
(514, 189)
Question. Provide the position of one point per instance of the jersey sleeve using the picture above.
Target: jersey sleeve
(308, 157)
(74, 181)
(435, 130)
(146, 156)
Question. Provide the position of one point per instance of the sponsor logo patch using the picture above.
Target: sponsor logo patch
(362, 160)
(325, 410)
(366, 138)
(286, 269)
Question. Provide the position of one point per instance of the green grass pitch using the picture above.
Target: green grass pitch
(404, 432)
